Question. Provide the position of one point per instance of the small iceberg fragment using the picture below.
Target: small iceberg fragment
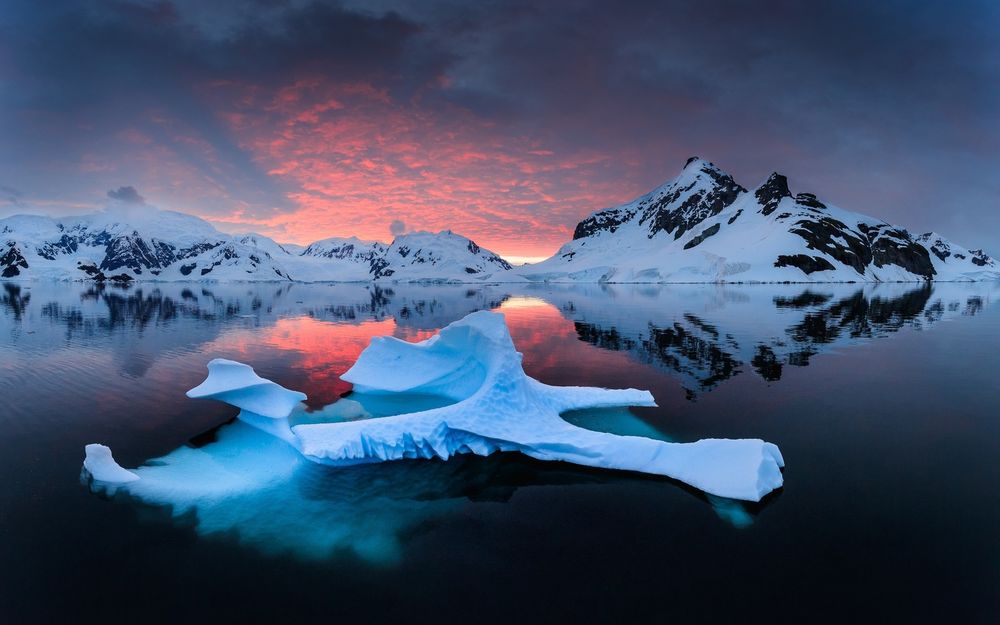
(101, 466)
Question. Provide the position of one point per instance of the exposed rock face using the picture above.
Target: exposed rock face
(703, 202)
(980, 258)
(770, 193)
(345, 249)
(701, 191)
(605, 221)
(834, 238)
(808, 264)
(894, 246)
(12, 262)
(65, 245)
(707, 232)
(132, 252)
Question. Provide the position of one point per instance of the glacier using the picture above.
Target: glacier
(489, 405)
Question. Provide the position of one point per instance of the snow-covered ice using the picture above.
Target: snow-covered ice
(494, 406)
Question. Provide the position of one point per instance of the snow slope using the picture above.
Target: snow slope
(488, 404)
(704, 227)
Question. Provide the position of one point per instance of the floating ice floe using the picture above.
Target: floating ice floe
(495, 406)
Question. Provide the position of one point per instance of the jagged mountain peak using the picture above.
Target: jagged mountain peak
(698, 164)
(700, 191)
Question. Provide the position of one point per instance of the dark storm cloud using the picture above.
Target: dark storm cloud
(88, 53)
(126, 195)
(887, 107)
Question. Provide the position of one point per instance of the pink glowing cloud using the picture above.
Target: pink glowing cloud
(355, 160)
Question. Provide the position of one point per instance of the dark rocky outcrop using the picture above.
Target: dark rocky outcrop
(608, 220)
(911, 256)
(12, 262)
(721, 192)
(380, 268)
(808, 264)
(833, 238)
(707, 232)
(770, 193)
(979, 258)
(941, 251)
(65, 245)
(134, 253)
(809, 201)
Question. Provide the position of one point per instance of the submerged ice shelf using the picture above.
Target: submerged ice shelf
(494, 406)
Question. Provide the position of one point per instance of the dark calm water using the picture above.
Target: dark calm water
(883, 400)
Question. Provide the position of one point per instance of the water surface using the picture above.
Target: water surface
(882, 399)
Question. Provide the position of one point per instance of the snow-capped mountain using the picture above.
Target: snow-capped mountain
(418, 254)
(703, 226)
(125, 245)
(141, 243)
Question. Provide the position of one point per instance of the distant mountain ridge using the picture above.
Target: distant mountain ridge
(703, 226)
(129, 245)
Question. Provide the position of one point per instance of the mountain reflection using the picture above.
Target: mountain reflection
(14, 302)
(707, 335)
(700, 334)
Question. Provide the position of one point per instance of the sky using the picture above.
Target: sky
(507, 122)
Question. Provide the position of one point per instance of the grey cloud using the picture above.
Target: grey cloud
(126, 195)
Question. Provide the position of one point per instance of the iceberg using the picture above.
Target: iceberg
(488, 404)
(497, 407)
